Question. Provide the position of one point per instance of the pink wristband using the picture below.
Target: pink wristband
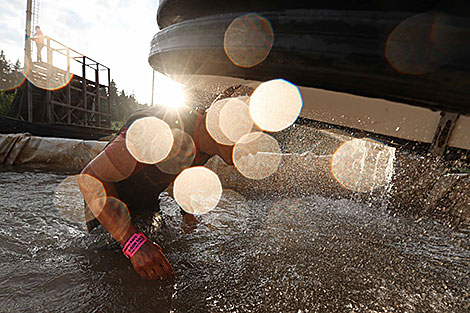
(133, 244)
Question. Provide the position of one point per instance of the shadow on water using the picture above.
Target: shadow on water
(309, 254)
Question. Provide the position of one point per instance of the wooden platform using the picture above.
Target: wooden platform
(55, 103)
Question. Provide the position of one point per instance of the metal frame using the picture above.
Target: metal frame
(443, 132)
(82, 100)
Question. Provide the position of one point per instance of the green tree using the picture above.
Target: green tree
(6, 99)
(10, 78)
(123, 105)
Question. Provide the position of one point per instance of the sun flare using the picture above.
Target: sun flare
(167, 92)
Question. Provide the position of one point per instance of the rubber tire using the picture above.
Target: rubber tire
(174, 11)
(334, 50)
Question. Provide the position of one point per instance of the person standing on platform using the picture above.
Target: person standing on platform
(39, 39)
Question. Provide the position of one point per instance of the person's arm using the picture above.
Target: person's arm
(111, 165)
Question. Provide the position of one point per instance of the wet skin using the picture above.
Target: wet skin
(149, 261)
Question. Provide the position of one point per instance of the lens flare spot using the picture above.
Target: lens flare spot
(451, 35)
(93, 192)
(48, 77)
(149, 140)
(11, 78)
(197, 190)
(106, 170)
(182, 153)
(409, 48)
(363, 165)
(275, 105)
(248, 40)
(213, 122)
(68, 200)
(168, 92)
(257, 155)
(235, 120)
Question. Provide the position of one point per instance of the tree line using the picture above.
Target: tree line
(122, 103)
(11, 77)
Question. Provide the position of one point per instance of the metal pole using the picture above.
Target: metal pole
(84, 89)
(27, 59)
(27, 45)
(68, 63)
(50, 75)
(49, 78)
(153, 83)
(30, 101)
(98, 94)
(443, 133)
(69, 91)
(109, 97)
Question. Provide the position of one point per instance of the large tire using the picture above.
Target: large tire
(175, 11)
(334, 50)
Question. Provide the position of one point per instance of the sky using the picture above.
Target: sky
(116, 33)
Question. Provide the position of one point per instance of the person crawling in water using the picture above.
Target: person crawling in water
(117, 174)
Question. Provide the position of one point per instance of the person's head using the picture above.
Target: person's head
(37, 27)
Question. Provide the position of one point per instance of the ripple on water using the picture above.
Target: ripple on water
(308, 254)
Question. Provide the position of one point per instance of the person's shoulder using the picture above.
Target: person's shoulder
(183, 118)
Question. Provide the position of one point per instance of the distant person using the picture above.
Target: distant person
(38, 37)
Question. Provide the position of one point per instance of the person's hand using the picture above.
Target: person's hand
(151, 263)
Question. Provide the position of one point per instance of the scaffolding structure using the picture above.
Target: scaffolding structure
(53, 94)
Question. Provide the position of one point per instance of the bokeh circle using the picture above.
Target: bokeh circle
(275, 105)
(257, 155)
(149, 140)
(248, 40)
(197, 190)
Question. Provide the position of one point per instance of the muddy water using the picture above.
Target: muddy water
(262, 255)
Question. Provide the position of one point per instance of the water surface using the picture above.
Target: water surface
(287, 254)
